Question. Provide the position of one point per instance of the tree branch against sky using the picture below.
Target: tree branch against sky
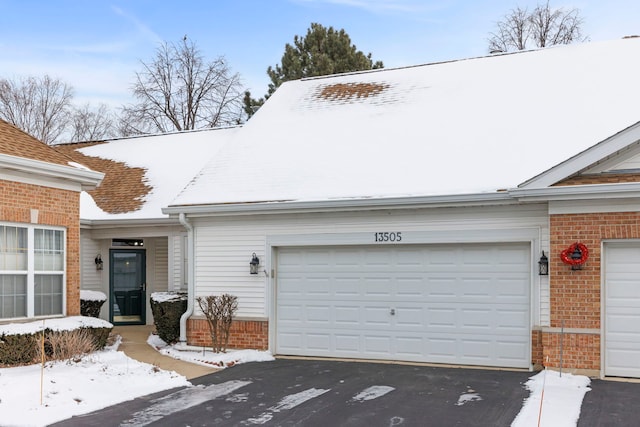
(180, 90)
(543, 26)
(89, 124)
(40, 106)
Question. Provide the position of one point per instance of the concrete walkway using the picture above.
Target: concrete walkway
(134, 344)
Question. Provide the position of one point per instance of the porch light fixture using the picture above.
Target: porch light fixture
(576, 256)
(254, 264)
(98, 261)
(543, 265)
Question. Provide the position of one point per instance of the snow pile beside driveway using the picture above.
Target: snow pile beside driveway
(561, 402)
(205, 357)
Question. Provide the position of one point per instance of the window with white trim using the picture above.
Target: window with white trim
(32, 271)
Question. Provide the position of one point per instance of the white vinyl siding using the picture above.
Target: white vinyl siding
(622, 309)
(224, 244)
(161, 264)
(90, 277)
(177, 262)
(462, 303)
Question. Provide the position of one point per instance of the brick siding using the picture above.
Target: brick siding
(575, 294)
(55, 207)
(245, 334)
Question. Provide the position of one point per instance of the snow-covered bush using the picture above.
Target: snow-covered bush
(167, 308)
(91, 302)
(21, 343)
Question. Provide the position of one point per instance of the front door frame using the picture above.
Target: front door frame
(143, 304)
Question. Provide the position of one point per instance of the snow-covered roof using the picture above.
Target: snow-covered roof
(461, 127)
(143, 174)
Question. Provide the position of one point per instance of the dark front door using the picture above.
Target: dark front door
(127, 281)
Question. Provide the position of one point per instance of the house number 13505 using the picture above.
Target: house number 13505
(393, 236)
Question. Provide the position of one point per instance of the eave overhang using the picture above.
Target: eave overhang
(20, 166)
(341, 205)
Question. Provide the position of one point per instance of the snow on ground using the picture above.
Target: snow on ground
(98, 380)
(372, 392)
(109, 377)
(561, 402)
(205, 357)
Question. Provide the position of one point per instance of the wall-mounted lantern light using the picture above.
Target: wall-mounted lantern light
(543, 265)
(98, 261)
(575, 255)
(254, 264)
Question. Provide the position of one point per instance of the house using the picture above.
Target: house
(129, 247)
(406, 214)
(39, 228)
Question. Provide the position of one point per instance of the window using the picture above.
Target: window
(32, 271)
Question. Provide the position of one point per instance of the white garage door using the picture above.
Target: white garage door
(462, 304)
(622, 310)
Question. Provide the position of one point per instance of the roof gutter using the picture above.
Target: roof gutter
(577, 192)
(88, 179)
(127, 222)
(190, 277)
(333, 205)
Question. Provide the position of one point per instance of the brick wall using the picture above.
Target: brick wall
(245, 334)
(575, 295)
(55, 207)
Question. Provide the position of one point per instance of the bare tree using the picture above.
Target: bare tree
(179, 90)
(544, 26)
(512, 32)
(92, 124)
(39, 106)
(552, 27)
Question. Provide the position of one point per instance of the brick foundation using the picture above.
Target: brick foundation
(245, 334)
(579, 351)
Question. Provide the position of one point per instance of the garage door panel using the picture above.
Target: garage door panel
(623, 290)
(376, 316)
(442, 304)
(622, 310)
(347, 315)
(347, 343)
(512, 321)
(409, 347)
(377, 345)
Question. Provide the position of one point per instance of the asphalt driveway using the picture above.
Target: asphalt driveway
(328, 393)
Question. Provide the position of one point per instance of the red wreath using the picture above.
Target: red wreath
(565, 255)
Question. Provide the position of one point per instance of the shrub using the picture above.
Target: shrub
(167, 308)
(18, 350)
(219, 311)
(91, 302)
(25, 348)
(65, 345)
(100, 336)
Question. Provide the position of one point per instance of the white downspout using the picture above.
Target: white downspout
(190, 277)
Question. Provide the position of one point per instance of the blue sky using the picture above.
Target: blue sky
(96, 46)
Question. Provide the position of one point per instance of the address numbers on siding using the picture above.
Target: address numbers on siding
(388, 236)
